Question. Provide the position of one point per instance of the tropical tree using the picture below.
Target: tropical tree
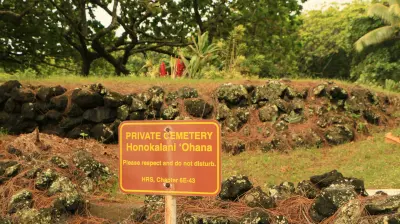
(390, 14)
(71, 31)
(30, 37)
(327, 38)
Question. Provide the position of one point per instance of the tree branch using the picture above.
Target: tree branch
(71, 42)
(147, 15)
(152, 48)
(197, 15)
(82, 12)
(161, 51)
(119, 20)
(149, 36)
(108, 57)
(57, 66)
(9, 14)
(112, 25)
(71, 20)
(16, 18)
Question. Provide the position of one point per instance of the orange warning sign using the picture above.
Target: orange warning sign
(181, 158)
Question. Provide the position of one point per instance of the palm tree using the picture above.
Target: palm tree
(390, 14)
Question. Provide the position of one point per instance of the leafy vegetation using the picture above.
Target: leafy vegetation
(201, 53)
(71, 33)
(3, 132)
(205, 39)
(328, 38)
(390, 15)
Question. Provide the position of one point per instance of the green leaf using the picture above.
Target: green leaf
(393, 2)
(375, 37)
(382, 12)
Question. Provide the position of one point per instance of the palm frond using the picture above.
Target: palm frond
(382, 12)
(394, 2)
(375, 37)
(395, 11)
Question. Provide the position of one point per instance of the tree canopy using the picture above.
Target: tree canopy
(267, 38)
(328, 39)
(29, 35)
(70, 30)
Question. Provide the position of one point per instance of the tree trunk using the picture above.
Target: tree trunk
(118, 66)
(197, 16)
(85, 66)
(82, 13)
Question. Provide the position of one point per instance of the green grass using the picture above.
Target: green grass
(396, 132)
(349, 83)
(73, 79)
(374, 161)
(114, 192)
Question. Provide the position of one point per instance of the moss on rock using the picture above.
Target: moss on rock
(45, 179)
(258, 198)
(170, 113)
(234, 187)
(256, 215)
(198, 108)
(93, 169)
(59, 161)
(223, 112)
(268, 113)
(330, 200)
(233, 95)
(20, 200)
(339, 134)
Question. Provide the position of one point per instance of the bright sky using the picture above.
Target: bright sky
(317, 4)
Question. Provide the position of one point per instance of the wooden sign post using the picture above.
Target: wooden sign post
(171, 158)
(170, 209)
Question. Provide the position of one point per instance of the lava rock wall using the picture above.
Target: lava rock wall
(274, 116)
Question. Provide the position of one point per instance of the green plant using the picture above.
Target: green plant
(26, 74)
(391, 85)
(396, 132)
(355, 116)
(391, 16)
(84, 135)
(151, 69)
(362, 128)
(211, 72)
(201, 54)
(232, 48)
(173, 63)
(3, 131)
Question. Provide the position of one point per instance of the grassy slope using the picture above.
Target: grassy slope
(372, 160)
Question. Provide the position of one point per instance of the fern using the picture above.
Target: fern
(391, 85)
